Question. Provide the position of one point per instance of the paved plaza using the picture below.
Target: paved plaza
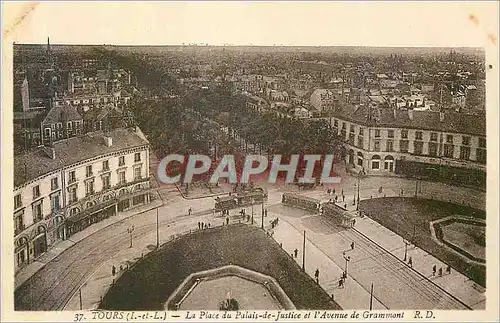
(76, 264)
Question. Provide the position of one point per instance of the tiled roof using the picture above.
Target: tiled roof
(73, 150)
(453, 122)
(61, 114)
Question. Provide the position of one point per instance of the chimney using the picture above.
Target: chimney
(50, 152)
(410, 114)
(441, 116)
(108, 141)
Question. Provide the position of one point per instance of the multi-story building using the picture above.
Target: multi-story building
(77, 182)
(396, 141)
(61, 122)
(322, 99)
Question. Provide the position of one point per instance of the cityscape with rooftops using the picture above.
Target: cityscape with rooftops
(96, 228)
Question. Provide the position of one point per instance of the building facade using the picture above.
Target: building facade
(79, 181)
(381, 143)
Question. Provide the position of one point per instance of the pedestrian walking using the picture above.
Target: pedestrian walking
(316, 274)
(341, 283)
(265, 212)
(336, 198)
(295, 252)
(410, 262)
(353, 224)
(345, 206)
(352, 245)
(113, 270)
(342, 192)
(448, 269)
(227, 220)
(343, 198)
(328, 191)
(209, 225)
(344, 275)
(189, 211)
(199, 225)
(333, 192)
(440, 271)
(434, 270)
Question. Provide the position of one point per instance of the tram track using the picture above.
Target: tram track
(52, 286)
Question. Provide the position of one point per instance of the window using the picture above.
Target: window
(71, 177)
(434, 136)
(18, 223)
(481, 155)
(18, 201)
(137, 173)
(418, 147)
(377, 133)
(89, 170)
(361, 131)
(36, 192)
(404, 134)
(389, 146)
(376, 162)
(403, 146)
(89, 187)
(482, 142)
(54, 203)
(360, 141)
(351, 138)
(433, 147)
(464, 152)
(37, 212)
(449, 138)
(106, 183)
(377, 145)
(390, 133)
(449, 151)
(418, 135)
(54, 183)
(351, 129)
(105, 165)
(121, 178)
(335, 123)
(72, 195)
(121, 161)
(465, 140)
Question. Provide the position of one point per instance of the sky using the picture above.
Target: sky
(258, 23)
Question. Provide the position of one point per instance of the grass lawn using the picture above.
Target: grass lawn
(404, 215)
(148, 284)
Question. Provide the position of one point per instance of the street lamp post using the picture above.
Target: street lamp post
(252, 209)
(407, 243)
(157, 230)
(262, 213)
(357, 205)
(130, 230)
(347, 259)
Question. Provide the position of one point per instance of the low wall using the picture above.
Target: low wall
(188, 285)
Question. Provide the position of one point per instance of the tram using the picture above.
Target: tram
(338, 214)
(300, 201)
(241, 199)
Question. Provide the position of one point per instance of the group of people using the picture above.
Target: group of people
(225, 212)
(274, 223)
(440, 271)
(203, 225)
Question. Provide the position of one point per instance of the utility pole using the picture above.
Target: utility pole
(357, 205)
(157, 231)
(262, 213)
(81, 307)
(304, 253)
(371, 298)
